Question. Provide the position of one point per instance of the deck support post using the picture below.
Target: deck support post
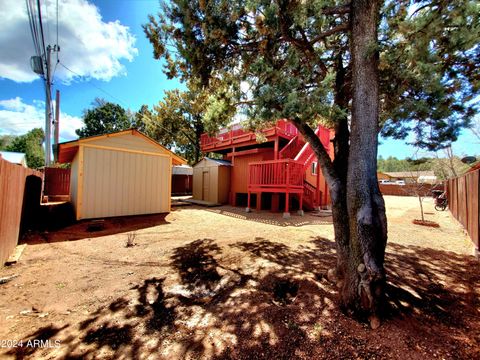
(287, 201)
(300, 211)
(259, 201)
(248, 209)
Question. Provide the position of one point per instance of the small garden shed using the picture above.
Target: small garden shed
(211, 181)
(119, 174)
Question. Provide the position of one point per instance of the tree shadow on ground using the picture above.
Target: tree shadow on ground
(85, 229)
(435, 285)
(275, 303)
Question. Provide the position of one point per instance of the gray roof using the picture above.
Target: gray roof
(216, 161)
(182, 170)
(220, 162)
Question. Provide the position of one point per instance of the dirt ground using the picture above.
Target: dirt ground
(218, 283)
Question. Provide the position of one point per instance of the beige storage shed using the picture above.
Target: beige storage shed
(211, 180)
(119, 174)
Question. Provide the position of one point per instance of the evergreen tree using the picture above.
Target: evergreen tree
(354, 67)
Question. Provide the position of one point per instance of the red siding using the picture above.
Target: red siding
(240, 170)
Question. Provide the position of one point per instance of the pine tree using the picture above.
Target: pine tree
(355, 67)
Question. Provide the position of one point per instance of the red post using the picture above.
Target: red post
(259, 201)
(287, 181)
(317, 190)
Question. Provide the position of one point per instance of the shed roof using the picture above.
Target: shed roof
(67, 150)
(14, 157)
(216, 161)
(182, 170)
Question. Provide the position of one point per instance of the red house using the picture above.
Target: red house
(278, 173)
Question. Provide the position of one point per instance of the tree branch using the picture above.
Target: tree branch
(336, 29)
(337, 10)
(324, 160)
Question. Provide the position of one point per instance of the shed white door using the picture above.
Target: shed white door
(119, 183)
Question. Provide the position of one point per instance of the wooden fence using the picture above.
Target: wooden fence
(20, 192)
(57, 181)
(409, 189)
(463, 198)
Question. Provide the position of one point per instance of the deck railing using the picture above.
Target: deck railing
(284, 173)
(237, 134)
(290, 150)
(309, 192)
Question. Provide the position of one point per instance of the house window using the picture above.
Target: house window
(314, 168)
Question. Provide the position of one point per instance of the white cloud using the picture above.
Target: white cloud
(88, 45)
(18, 117)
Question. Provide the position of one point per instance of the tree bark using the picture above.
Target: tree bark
(358, 209)
(362, 291)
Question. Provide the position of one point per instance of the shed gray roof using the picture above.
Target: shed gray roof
(217, 161)
(182, 170)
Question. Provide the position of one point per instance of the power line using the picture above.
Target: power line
(33, 26)
(47, 17)
(119, 100)
(41, 27)
(57, 39)
(95, 86)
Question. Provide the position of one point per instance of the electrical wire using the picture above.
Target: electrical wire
(58, 49)
(47, 21)
(91, 84)
(117, 99)
(41, 28)
(33, 26)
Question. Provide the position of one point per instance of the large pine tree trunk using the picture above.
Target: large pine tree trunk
(358, 209)
(361, 272)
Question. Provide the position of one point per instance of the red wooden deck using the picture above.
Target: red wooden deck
(276, 176)
(239, 137)
(287, 173)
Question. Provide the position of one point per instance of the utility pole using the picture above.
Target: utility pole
(48, 104)
(56, 131)
(48, 109)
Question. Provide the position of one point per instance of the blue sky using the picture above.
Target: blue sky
(104, 43)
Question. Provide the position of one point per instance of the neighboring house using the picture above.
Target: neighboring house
(119, 174)
(15, 157)
(408, 177)
(182, 179)
(280, 172)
